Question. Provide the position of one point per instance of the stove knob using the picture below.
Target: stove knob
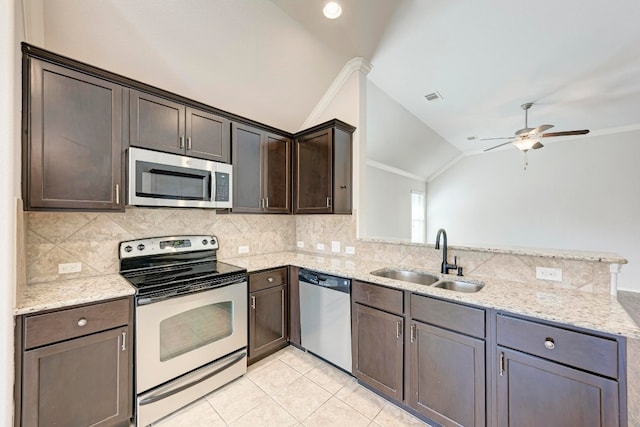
(204, 242)
(140, 247)
(128, 248)
(213, 241)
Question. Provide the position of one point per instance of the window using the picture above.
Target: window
(417, 217)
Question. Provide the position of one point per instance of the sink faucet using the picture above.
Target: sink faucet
(445, 264)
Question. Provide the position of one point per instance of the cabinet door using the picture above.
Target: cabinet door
(247, 169)
(535, 392)
(277, 176)
(207, 136)
(313, 172)
(378, 350)
(156, 123)
(74, 141)
(447, 376)
(80, 382)
(267, 321)
(342, 172)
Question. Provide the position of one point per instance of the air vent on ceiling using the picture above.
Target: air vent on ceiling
(433, 96)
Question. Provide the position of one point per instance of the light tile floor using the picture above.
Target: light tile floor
(292, 388)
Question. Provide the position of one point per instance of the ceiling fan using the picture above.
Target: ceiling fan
(527, 138)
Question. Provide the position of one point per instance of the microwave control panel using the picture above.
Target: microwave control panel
(222, 187)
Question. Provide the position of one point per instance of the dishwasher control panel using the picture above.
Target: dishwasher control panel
(325, 280)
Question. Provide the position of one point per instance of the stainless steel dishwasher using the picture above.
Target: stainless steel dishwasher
(325, 317)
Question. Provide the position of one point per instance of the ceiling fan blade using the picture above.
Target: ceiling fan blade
(565, 133)
(499, 145)
(491, 139)
(541, 129)
(523, 131)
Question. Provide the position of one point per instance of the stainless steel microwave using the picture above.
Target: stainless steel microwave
(162, 179)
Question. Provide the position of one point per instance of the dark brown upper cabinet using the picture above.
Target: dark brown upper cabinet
(161, 124)
(72, 139)
(261, 171)
(323, 168)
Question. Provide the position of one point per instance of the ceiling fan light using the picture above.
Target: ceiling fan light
(332, 10)
(526, 144)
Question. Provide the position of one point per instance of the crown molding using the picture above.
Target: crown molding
(395, 170)
(358, 64)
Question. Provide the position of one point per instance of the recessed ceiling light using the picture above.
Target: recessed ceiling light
(332, 10)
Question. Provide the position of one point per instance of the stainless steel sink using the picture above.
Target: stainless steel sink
(407, 276)
(459, 286)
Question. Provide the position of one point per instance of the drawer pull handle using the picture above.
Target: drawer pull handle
(82, 322)
(549, 344)
(270, 279)
(253, 302)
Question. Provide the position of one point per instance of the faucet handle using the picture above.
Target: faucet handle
(455, 261)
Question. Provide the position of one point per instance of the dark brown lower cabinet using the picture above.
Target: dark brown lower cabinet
(267, 321)
(447, 376)
(536, 392)
(79, 382)
(378, 350)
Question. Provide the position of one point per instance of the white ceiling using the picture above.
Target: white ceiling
(577, 60)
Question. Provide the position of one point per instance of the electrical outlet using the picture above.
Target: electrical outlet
(350, 250)
(300, 244)
(335, 246)
(243, 249)
(320, 246)
(70, 267)
(546, 273)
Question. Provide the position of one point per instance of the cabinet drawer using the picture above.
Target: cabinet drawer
(267, 279)
(61, 325)
(456, 317)
(583, 351)
(386, 299)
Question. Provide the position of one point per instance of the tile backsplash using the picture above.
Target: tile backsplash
(92, 239)
(479, 264)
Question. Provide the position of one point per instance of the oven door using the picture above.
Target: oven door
(179, 334)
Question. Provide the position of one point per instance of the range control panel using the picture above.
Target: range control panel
(165, 245)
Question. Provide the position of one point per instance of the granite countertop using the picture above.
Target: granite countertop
(577, 308)
(581, 309)
(65, 293)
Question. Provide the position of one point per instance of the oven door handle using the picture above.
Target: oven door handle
(152, 399)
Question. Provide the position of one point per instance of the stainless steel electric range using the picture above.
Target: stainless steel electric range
(191, 321)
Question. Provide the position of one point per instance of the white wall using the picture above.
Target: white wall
(9, 145)
(579, 194)
(244, 56)
(389, 204)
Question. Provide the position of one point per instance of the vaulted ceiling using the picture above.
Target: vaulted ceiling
(577, 60)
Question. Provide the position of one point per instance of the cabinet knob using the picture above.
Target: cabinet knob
(549, 343)
(82, 322)
(270, 279)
